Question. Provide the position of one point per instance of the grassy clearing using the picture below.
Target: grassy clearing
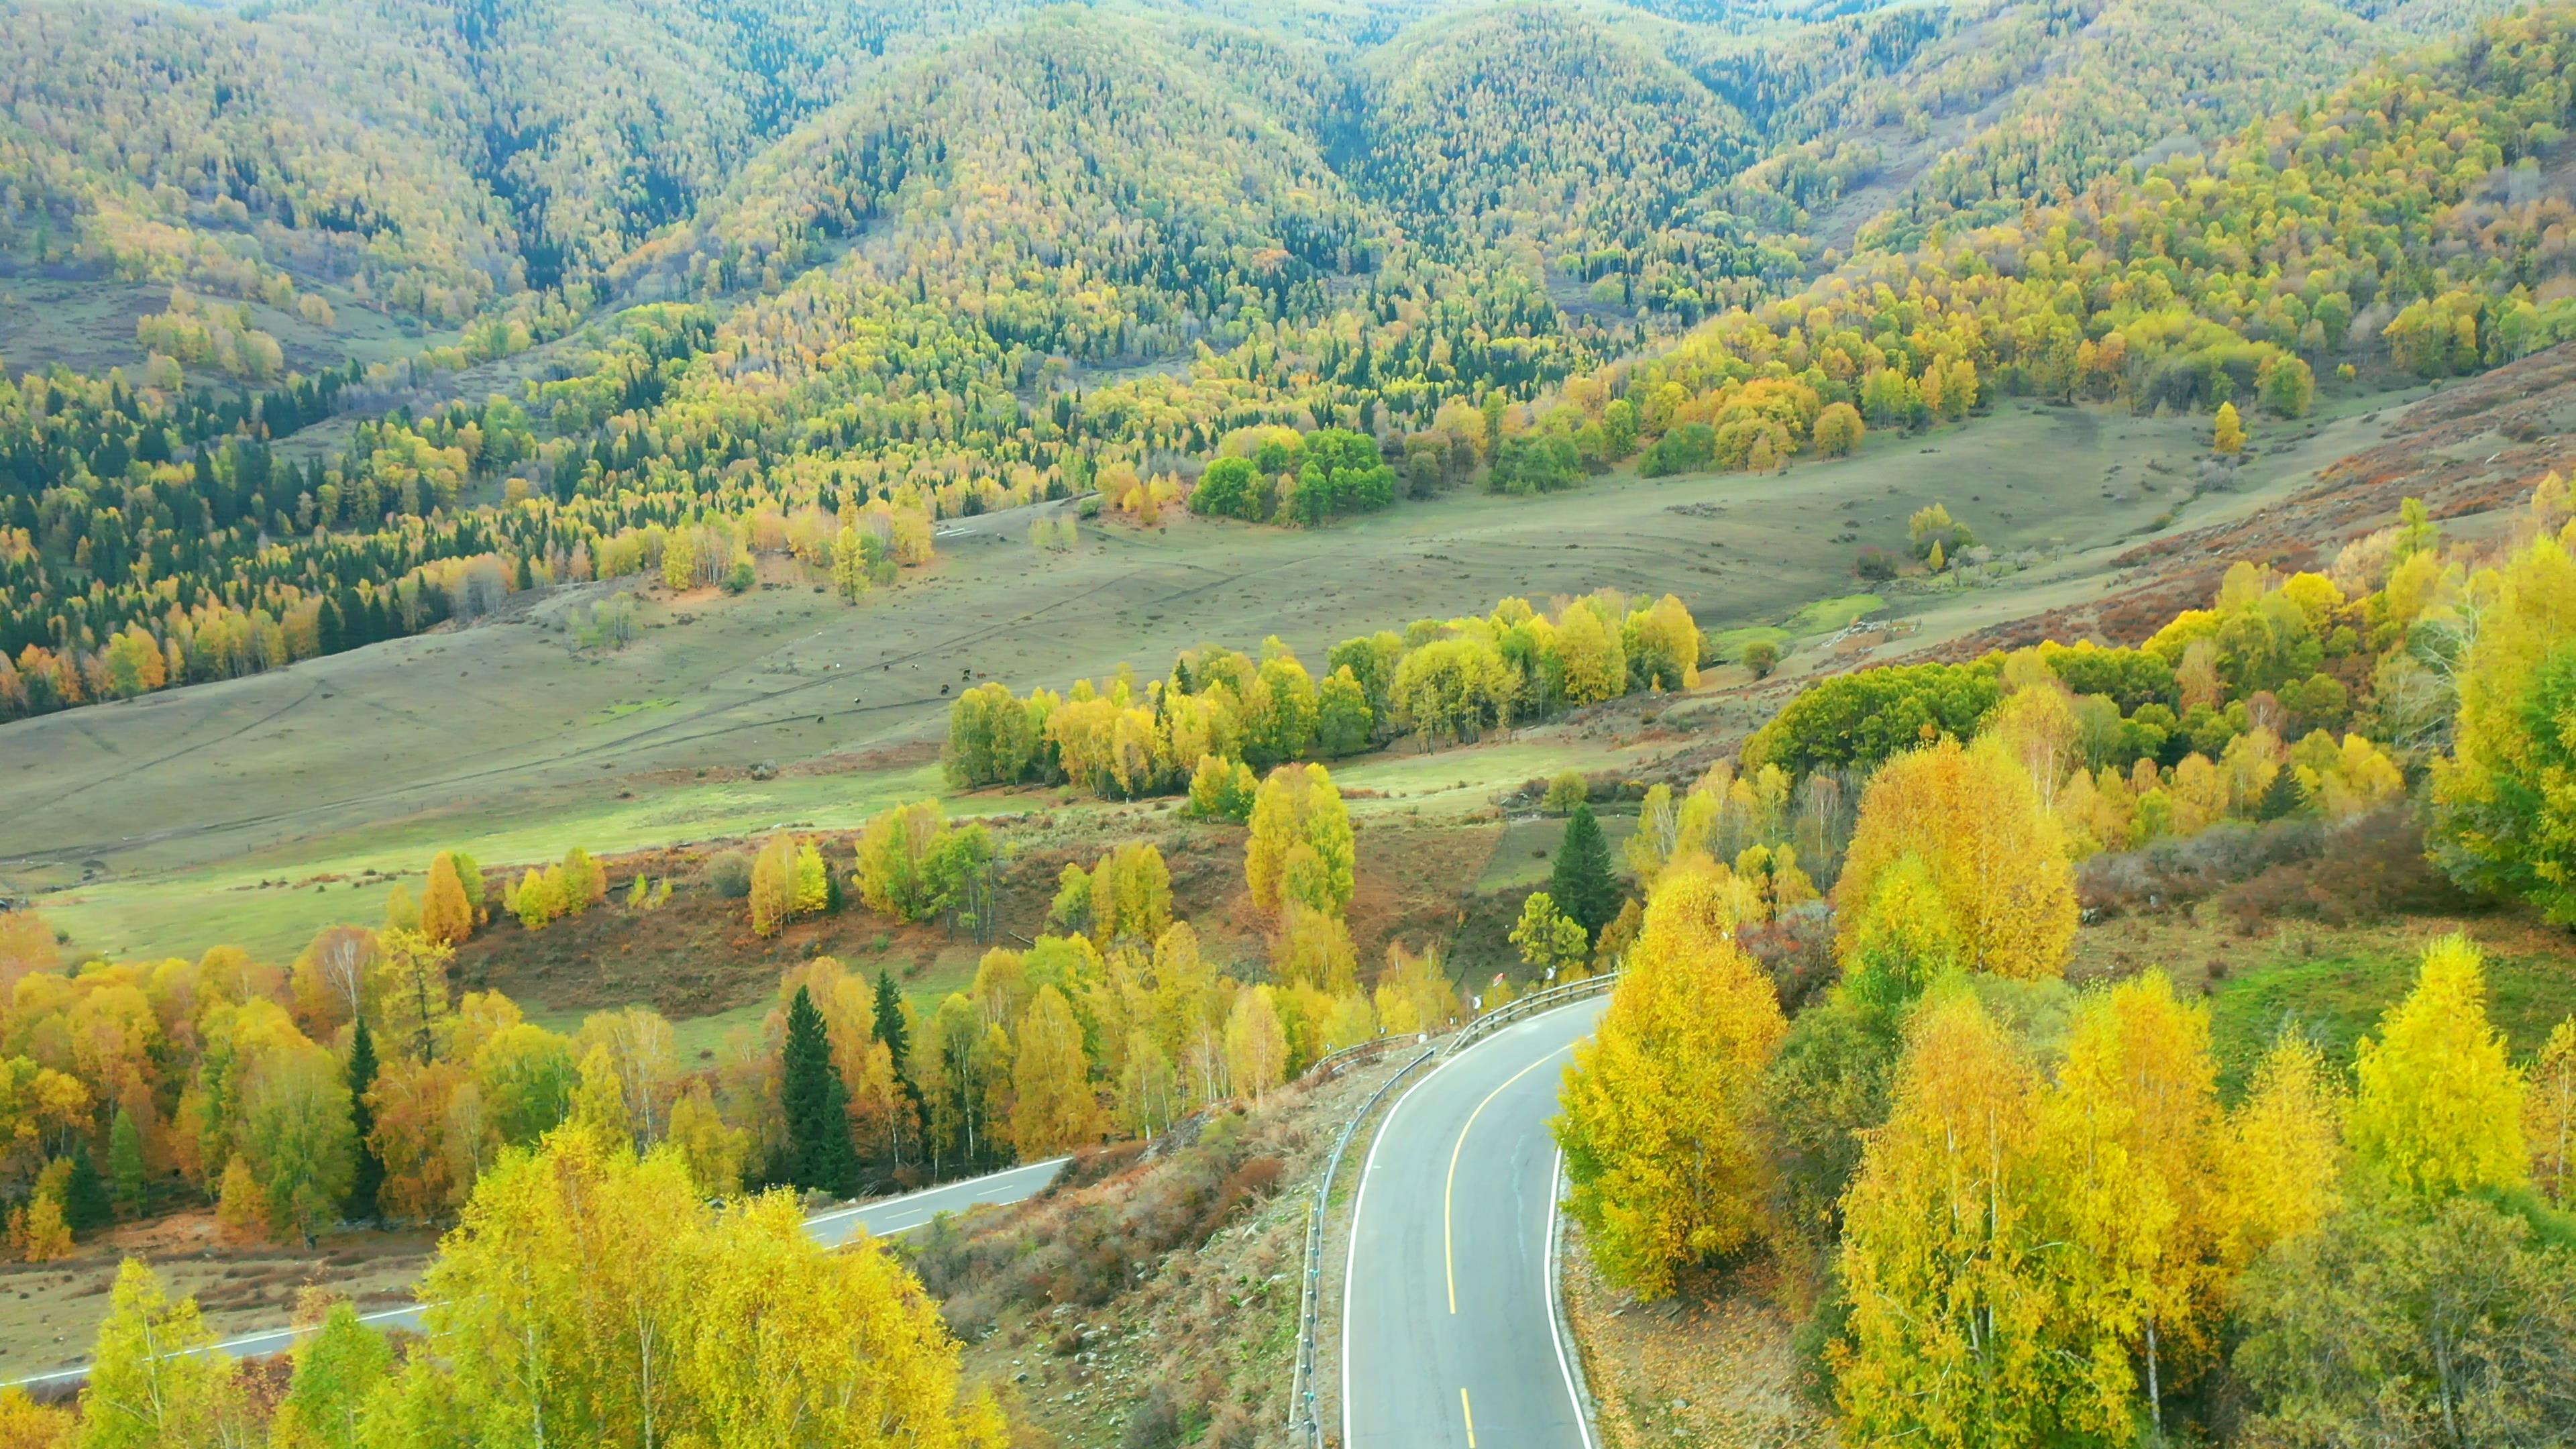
(2335, 987)
(1528, 850)
(2329, 982)
(502, 740)
(1824, 616)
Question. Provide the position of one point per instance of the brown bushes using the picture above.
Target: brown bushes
(2366, 869)
(1089, 1242)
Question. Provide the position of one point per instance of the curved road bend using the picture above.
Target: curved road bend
(1449, 1327)
(884, 1217)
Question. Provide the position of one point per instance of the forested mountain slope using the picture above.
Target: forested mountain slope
(2418, 216)
(940, 258)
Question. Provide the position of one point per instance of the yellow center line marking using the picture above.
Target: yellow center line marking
(1448, 1238)
(1470, 1411)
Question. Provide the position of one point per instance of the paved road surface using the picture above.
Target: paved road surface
(884, 1217)
(1449, 1336)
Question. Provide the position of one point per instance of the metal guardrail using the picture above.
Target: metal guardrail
(1536, 1001)
(1302, 1418)
(1331, 1062)
(1301, 1380)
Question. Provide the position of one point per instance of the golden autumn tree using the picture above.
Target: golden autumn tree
(1948, 1341)
(2227, 436)
(409, 983)
(590, 1296)
(445, 915)
(154, 1380)
(1256, 1045)
(773, 886)
(2437, 1106)
(1659, 1111)
(1130, 896)
(1053, 1106)
(2281, 1168)
(26, 1424)
(2505, 801)
(1301, 844)
(2129, 1138)
(1997, 859)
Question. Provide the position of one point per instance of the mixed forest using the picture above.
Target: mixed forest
(356, 320)
(904, 264)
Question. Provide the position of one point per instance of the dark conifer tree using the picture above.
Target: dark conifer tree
(1582, 882)
(815, 1103)
(126, 1179)
(370, 1175)
(85, 1202)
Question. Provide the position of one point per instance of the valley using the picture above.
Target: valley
(1181, 724)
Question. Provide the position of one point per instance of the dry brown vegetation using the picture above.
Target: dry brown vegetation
(1150, 1299)
(1713, 1367)
(2472, 448)
(49, 1312)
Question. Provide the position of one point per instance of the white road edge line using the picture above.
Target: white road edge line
(882, 1204)
(1368, 1167)
(1548, 1299)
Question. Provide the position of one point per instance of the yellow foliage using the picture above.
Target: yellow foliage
(1949, 1310)
(444, 915)
(1053, 1108)
(1998, 859)
(2346, 780)
(2282, 1165)
(2549, 1116)
(2438, 1107)
(1660, 1107)
(1297, 807)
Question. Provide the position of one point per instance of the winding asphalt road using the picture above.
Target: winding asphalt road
(1449, 1323)
(885, 1217)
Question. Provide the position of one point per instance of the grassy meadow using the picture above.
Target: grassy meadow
(254, 811)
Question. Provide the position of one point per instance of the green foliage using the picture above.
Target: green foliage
(1581, 881)
(2453, 1326)
(125, 1163)
(814, 1107)
(154, 1379)
(1863, 719)
(367, 1174)
(338, 1368)
(2506, 805)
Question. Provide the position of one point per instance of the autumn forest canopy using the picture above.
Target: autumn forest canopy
(671, 293)
(1030, 581)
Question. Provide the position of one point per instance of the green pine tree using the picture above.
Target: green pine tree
(1582, 883)
(85, 1203)
(125, 1163)
(890, 1024)
(370, 1174)
(897, 1035)
(816, 1105)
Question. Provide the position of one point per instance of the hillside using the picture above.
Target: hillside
(623, 622)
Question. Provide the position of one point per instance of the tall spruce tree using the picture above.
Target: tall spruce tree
(1582, 884)
(369, 1176)
(85, 1202)
(816, 1104)
(896, 1033)
(125, 1163)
